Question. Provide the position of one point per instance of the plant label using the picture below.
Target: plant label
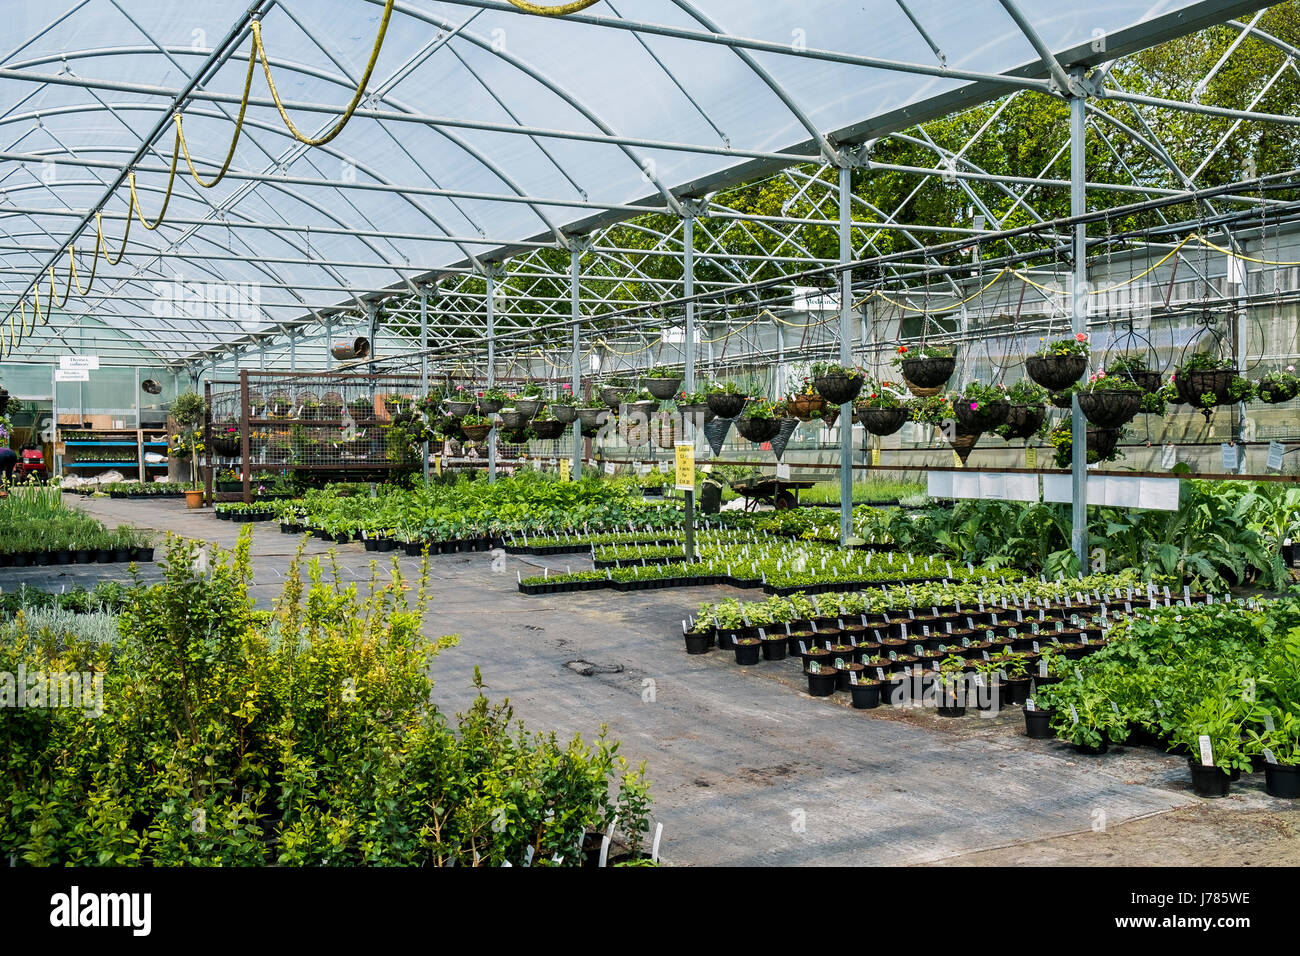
(880, 673)
(1042, 668)
(1036, 649)
(762, 634)
(803, 648)
(986, 654)
(925, 630)
(1030, 705)
(1115, 707)
(965, 642)
(1074, 714)
(1268, 755)
(1207, 752)
(1078, 674)
(853, 677)
(1268, 722)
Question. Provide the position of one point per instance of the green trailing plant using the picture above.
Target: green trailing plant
(1075, 345)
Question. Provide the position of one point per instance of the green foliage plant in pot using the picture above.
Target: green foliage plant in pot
(662, 382)
(1109, 401)
(725, 398)
(758, 422)
(1026, 413)
(1277, 387)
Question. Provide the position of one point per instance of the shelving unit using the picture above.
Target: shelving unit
(94, 451)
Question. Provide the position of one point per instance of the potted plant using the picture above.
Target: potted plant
(925, 368)
(980, 407)
(1026, 413)
(1103, 443)
(1108, 401)
(461, 403)
(758, 421)
(492, 400)
(310, 409)
(1277, 387)
(593, 413)
(564, 407)
(530, 400)
(225, 440)
(615, 391)
(882, 410)
(1060, 364)
(476, 427)
(511, 416)
(725, 399)
(546, 426)
(1282, 743)
(822, 679)
(695, 404)
(661, 382)
(804, 403)
(1133, 368)
(838, 384)
(1205, 382)
(362, 407)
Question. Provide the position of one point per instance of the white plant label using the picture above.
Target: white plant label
(1207, 752)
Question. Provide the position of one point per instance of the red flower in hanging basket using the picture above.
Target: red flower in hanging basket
(974, 406)
(1080, 337)
(902, 350)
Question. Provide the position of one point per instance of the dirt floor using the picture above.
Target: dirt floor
(746, 768)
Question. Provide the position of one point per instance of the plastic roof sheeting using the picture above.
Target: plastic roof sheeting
(84, 81)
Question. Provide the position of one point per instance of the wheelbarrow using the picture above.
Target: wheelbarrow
(780, 493)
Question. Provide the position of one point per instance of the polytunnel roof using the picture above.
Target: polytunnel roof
(483, 131)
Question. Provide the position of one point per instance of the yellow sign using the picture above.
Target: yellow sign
(956, 460)
(564, 469)
(437, 465)
(875, 456)
(1031, 457)
(685, 466)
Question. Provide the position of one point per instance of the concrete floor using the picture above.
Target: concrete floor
(746, 769)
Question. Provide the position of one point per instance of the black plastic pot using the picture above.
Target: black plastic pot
(838, 388)
(775, 648)
(822, 683)
(83, 556)
(698, 643)
(1038, 724)
(63, 557)
(748, 650)
(1056, 372)
(844, 681)
(122, 554)
(1282, 781)
(726, 405)
(865, 694)
(1091, 751)
(1015, 691)
(1109, 407)
(882, 421)
(1208, 781)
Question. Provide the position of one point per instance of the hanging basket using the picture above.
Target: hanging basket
(515, 436)
(1147, 380)
(838, 388)
(988, 416)
(882, 421)
(726, 405)
(476, 432)
(1062, 399)
(1109, 407)
(226, 447)
(661, 388)
(1277, 394)
(1056, 372)
(928, 373)
(692, 412)
(514, 418)
(1199, 382)
(614, 397)
(459, 409)
(963, 445)
(490, 406)
(529, 406)
(804, 407)
(1103, 441)
(830, 416)
(1023, 421)
(920, 392)
(758, 430)
(549, 430)
(590, 418)
(564, 414)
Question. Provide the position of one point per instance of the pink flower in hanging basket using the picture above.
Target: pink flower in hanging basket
(567, 387)
(974, 406)
(1080, 337)
(460, 388)
(1290, 368)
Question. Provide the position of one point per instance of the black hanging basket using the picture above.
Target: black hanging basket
(614, 397)
(529, 406)
(514, 419)
(661, 388)
(476, 432)
(988, 416)
(1277, 394)
(928, 372)
(226, 447)
(838, 388)
(550, 429)
(726, 405)
(590, 418)
(758, 430)
(1202, 381)
(1109, 407)
(1062, 399)
(963, 445)
(1148, 381)
(882, 421)
(1023, 421)
(564, 414)
(1056, 372)
(1102, 441)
